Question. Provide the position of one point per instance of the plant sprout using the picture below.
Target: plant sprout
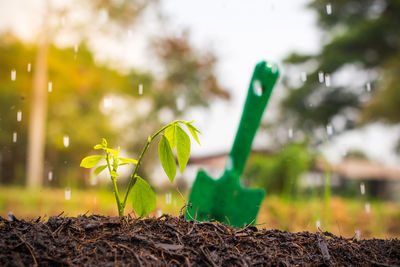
(143, 197)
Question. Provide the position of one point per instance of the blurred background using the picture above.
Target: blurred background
(327, 152)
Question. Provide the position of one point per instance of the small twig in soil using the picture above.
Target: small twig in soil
(29, 248)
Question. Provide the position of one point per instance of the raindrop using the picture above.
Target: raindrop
(95, 200)
(28, 68)
(67, 193)
(174, 202)
(66, 140)
(76, 48)
(321, 76)
(367, 208)
(368, 87)
(168, 198)
(290, 133)
(318, 224)
(329, 9)
(13, 74)
(257, 88)
(50, 87)
(19, 115)
(229, 163)
(362, 188)
(14, 137)
(180, 103)
(140, 89)
(329, 129)
(50, 176)
(159, 213)
(327, 80)
(357, 235)
(303, 76)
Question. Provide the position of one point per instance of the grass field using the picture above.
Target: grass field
(342, 217)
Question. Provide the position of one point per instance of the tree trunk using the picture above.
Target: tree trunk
(37, 118)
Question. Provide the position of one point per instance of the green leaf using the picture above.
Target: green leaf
(97, 171)
(122, 164)
(127, 160)
(91, 161)
(104, 143)
(193, 131)
(98, 146)
(182, 147)
(167, 158)
(112, 151)
(143, 197)
(170, 135)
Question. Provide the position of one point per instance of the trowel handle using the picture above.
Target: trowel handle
(262, 82)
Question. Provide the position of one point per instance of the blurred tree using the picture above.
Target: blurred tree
(87, 102)
(355, 77)
(111, 15)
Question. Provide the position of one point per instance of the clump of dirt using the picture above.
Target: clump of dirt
(110, 241)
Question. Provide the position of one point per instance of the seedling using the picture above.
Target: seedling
(143, 197)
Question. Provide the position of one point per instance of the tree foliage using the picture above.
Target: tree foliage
(362, 39)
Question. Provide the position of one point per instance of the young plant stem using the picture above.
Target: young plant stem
(133, 178)
(114, 182)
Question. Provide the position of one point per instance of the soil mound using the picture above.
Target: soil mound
(110, 241)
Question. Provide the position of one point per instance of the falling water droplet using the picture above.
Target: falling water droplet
(140, 89)
(14, 137)
(50, 176)
(28, 68)
(67, 193)
(357, 235)
(303, 76)
(76, 48)
(329, 9)
(368, 87)
(95, 200)
(362, 188)
(367, 208)
(329, 129)
(13, 74)
(229, 163)
(168, 198)
(66, 140)
(50, 87)
(19, 115)
(180, 103)
(327, 80)
(318, 224)
(321, 76)
(257, 88)
(159, 213)
(290, 133)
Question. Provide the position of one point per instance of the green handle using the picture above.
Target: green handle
(262, 82)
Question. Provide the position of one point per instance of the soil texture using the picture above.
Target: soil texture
(173, 241)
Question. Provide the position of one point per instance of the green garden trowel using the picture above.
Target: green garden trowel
(225, 200)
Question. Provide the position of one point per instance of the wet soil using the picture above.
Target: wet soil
(110, 241)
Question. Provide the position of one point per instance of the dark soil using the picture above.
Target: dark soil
(110, 241)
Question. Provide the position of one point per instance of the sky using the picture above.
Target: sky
(241, 34)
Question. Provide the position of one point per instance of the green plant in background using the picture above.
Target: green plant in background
(279, 173)
(143, 197)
